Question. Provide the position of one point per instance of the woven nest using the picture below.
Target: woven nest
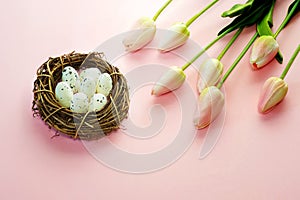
(86, 126)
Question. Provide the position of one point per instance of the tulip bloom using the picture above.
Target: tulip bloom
(143, 33)
(264, 50)
(170, 81)
(210, 73)
(179, 32)
(211, 102)
(177, 35)
(273, 92)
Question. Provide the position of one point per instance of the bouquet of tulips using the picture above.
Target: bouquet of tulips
(264, 45)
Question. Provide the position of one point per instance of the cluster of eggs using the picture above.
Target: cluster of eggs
(83, 92)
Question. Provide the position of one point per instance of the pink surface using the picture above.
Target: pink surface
(255, 157)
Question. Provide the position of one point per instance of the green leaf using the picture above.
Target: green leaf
(296, 11)
(292, 11)
(237, 9)
(294, 8)
(265, 25)
(252, 16)
(249, 17)
(279, 57)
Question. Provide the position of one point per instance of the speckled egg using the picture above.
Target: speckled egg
(79, 103)
(97, 103)
(88, 87)
(93, 73)
(63, 94)
(70, 75)
(104, 84)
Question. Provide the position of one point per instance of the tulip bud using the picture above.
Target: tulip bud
(273, 92)
(170, 81)
(143, 32)
(177, 35)
(210, 73)
(264, 50)
(211, 102)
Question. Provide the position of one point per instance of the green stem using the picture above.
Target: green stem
(286, 19)
(186, 65)
(288, 66)
(190, 21)
(229, 44)
(237, 60)
(161, 9)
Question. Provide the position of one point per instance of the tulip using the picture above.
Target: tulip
(170, 81)
(177, 35)
(264, 50)
(210, 73)
(211, 102)
(273, 92)
(143, 33)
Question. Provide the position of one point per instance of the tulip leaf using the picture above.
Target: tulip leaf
(253, 15)
(237, 9)
(296, 11)
(279, 57)
(265, 25)
(287, 19)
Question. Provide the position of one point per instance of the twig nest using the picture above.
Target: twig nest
(66, 95)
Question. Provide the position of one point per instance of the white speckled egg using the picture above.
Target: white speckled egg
(97, 103)
(70, 75)
(79, 103)
(88, 87)
(93, 73)
(63, 94)
(104, 84)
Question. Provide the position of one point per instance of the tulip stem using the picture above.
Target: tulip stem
(237, 60)
(229, 44)
(161, 9)
(288, 66)
(186, 65)
(190, 21)
(287, 19)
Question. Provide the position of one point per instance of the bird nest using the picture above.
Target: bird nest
(87, 126)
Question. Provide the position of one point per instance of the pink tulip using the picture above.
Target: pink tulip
(177, 35)
(264, 50)
(211, 102)
(170, 81)
(210, 73)
(143, 33)
(273, 92)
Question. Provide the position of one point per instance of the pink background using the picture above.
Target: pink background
(255, 158)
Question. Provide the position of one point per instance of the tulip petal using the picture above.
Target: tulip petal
(273, 92)
(263, 51)
(177, 35)
(143, 33)
(170, 81)
(210, 73)
(211, 102)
